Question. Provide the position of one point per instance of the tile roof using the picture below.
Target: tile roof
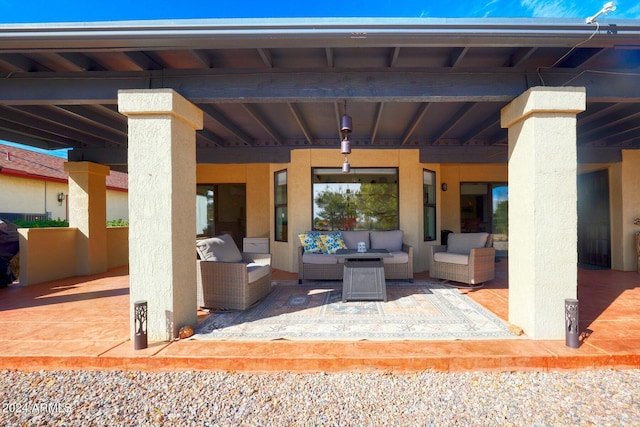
(34, 165)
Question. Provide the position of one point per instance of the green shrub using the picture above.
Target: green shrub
(41, 223)
(117, 223)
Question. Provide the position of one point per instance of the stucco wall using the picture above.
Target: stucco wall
(47, 254)
(23, 195)
(117, 246)
(117, 205)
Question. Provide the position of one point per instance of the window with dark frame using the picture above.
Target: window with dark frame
(429, 204)
(364, 199)
(280, 202)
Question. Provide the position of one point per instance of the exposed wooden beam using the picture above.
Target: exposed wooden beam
(520, 56)
(202, 56)
(225, 122)
(330, 56)
(376, 122)
(452, 122)
(411, 127)
(301, 123)
(457, 55)
(393, 56)
(263, 122)
(267, 58)
(205, 86)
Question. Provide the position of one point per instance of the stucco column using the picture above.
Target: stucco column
(88, 213)
(162, 217)
(542, 207)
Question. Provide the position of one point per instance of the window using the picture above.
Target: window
(280, 201)
(365, 199)
(429, 203)
(484, 206)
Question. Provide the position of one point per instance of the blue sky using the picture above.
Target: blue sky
(25, 11)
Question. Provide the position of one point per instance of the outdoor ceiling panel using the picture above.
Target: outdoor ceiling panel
(396, 117)
(488, 57)
(299, 58)
(114, 61)
(182, 59)
(361, 57)
(279, 117)
(320, 119)
(237, 58)
(425, 57)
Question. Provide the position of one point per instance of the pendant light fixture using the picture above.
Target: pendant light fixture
(345, 146)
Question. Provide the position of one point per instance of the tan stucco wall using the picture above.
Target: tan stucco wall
(117, 205)
(47, 254)
(624, 187)
(117, 246)
(24, 195)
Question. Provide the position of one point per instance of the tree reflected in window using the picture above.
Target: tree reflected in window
(365, 199)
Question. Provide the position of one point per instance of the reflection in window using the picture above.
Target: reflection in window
(365, 199)
(429, 202)
(280, 201)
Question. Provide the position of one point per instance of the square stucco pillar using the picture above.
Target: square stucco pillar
(162, 194)
(542, 207)
(88, 213)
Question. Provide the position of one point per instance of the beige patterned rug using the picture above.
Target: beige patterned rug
(315, 312)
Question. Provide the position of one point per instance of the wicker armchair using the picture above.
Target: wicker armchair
(460, 262)
(234, 285)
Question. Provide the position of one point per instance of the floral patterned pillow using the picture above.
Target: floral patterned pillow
(311, 242)
(332, 242)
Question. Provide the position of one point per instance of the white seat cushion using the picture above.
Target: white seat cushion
(319, 259)
(257, 271)
(451, 258)
(398, 257)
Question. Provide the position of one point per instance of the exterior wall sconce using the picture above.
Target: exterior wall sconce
(61, 198)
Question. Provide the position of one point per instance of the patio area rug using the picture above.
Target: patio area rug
(315, 312)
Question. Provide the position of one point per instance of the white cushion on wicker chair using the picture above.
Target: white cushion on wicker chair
(451, 258)
(219, 248)
(257, 271)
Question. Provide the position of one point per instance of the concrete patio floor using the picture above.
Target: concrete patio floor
(83, 323)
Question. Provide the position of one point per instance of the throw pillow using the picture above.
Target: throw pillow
(332, 242)
(311, 242)
(219, 248)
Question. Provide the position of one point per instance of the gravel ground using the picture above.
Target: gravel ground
(114, 398)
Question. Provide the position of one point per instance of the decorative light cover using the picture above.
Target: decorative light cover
(345, 123)
(346, 167)
(345, 146)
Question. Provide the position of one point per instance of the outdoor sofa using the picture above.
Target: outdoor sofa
(228, 278)
(467, 258)
(317, 259)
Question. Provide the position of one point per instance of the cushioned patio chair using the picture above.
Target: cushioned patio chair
(229, 279)
(467, 258)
